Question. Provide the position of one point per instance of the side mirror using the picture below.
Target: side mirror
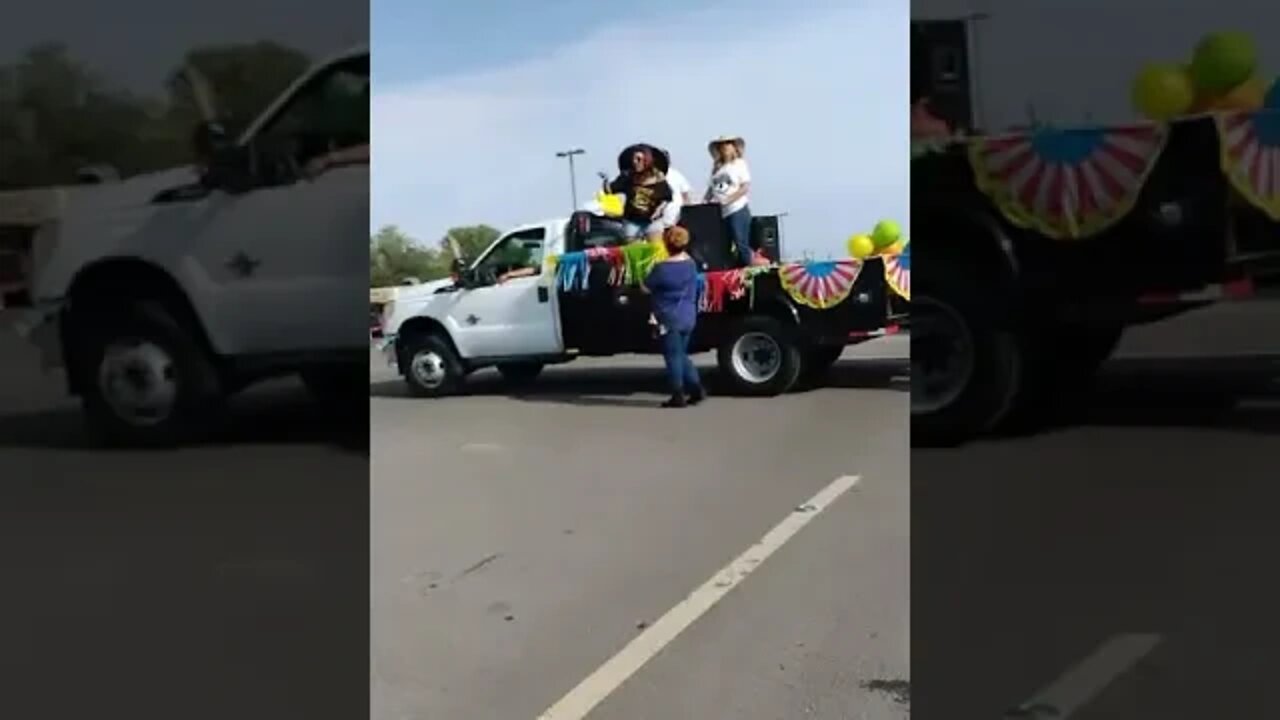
(229, 169)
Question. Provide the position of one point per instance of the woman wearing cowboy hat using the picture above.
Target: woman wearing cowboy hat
(730, 186)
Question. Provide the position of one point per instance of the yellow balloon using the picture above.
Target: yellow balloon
(896, 248)
(1248, 95)
(861, 246)
(1163, 92)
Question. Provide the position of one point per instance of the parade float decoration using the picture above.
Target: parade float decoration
(814, 284)
(1074, 183)
(819, 285)
(1250, 153)
(1067, 183)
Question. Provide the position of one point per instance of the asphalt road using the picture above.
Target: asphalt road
(521, 541)
(1135, 544)
(226, 580)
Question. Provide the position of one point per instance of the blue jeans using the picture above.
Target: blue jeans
(738, 226)
(681, 373)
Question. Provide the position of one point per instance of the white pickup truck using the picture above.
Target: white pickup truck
(161, 295)
(439, 332)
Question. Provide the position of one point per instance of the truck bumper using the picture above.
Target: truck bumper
(41, 326)
(387, 346)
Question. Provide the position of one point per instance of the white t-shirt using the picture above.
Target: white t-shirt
(726, 181)
(679, 185)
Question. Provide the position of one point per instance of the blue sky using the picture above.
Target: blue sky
(471, 101)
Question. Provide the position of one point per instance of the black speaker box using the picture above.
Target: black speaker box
(765, 237)
(708, 242)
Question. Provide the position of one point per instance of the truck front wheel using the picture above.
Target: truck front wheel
(146, 381)
(431, 366)
(760, 357)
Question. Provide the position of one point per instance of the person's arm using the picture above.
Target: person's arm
(517, 273)
(354, 155)
(618, 185)
(662, 196)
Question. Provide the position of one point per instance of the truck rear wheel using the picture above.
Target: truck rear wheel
(966, 367)
(1062, 364)
(146, 381)
(760, 357)
(431, 366)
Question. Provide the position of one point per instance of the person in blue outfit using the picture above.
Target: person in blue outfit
(673, 287)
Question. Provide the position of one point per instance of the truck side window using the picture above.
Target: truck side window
(330, 112)
(517, 251)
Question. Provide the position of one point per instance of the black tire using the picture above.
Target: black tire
(188, 369)
(417, 349)
(818, 361)
(521, 373)
(338, 384)
(956, 296)
(788, 358)
(1062, 363)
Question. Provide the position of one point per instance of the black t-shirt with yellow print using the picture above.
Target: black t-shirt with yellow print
(643, 200)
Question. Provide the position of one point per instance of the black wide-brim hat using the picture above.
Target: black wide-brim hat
(661, 158)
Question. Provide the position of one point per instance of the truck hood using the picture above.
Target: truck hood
(414, 301)
(99, 221)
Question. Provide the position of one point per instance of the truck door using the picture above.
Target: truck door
(283, 261)
(513, 318)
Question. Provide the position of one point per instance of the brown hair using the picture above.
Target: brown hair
(676, 239)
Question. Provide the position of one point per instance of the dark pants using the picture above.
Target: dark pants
(738, 226)
(681, 373)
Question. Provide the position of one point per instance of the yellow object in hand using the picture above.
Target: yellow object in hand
(611, 205)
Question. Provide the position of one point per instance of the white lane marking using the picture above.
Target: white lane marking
(609, 677)
(1085, 681)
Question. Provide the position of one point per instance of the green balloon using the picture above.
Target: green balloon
(1222, 61)
(885, 234)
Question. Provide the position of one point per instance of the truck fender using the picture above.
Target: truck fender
(417, 327)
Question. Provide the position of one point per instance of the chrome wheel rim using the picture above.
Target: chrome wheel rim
(139, 382)
(757, 357)
(428, 369)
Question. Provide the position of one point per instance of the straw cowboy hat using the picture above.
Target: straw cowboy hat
(735, 139)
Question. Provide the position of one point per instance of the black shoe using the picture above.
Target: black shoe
(675, 401)
(697, 396)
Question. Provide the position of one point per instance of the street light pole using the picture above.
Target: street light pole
(573, 175)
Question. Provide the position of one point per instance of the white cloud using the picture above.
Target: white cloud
(822, 102)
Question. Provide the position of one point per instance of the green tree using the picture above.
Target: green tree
(472, 240)
(57, 115)
(244, 78)
(394, 257)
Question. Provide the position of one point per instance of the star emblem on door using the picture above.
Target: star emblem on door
(472, 319)
(243, 265)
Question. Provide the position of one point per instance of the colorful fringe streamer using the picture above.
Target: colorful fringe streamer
(720, 286)
(573, 271)
(617, 263)
(638, 259)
